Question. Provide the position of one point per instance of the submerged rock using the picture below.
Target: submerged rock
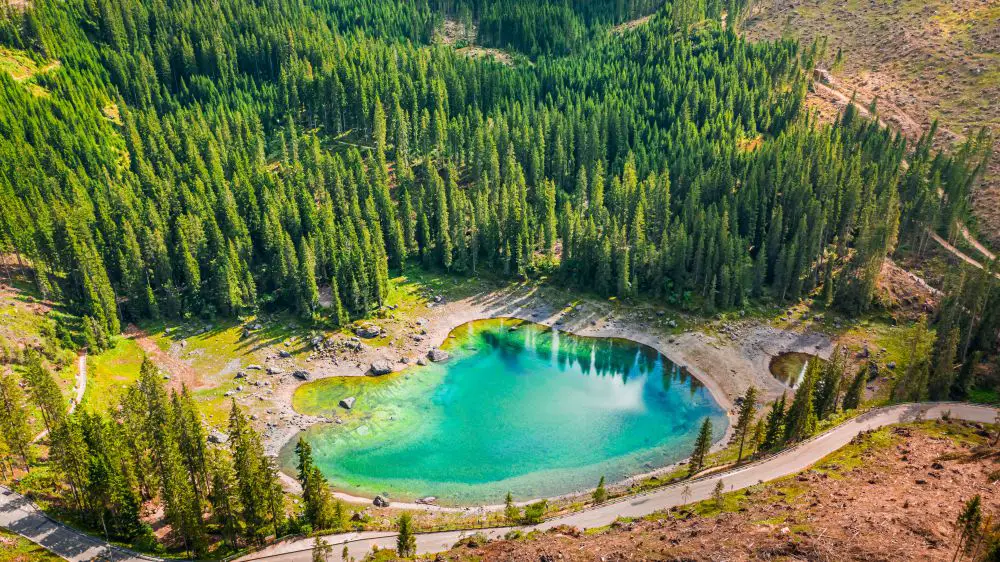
(347, 403)
(381, 368)
(436, 355)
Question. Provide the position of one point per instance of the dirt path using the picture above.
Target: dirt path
(956, 252)
(975, 244)
(631, 24)
(80, 388)
(787, 462)
(180, 372)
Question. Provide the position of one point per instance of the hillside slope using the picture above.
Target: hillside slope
(903, 486)
(931, 59)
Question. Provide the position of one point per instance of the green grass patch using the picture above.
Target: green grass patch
(110, 373)
(14, 548)
(984, 396)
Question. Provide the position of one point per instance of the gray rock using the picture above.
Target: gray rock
(379, 501)
(347, 403)
(422, 361)
(284, 354)
(241, 374)
(253, 367)
(302, 375)
(274, 371)
(436, 355)
(368, 331)
(381, 367)
(217, 437)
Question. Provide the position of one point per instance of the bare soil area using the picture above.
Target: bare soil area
(923, 59)
(891, 495)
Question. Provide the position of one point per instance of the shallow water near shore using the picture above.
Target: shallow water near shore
(518, 407)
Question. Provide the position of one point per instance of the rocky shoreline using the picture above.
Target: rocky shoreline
(726, 363)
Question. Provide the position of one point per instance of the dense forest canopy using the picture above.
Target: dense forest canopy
(218, 157)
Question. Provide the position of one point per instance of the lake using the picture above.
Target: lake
(517, 407)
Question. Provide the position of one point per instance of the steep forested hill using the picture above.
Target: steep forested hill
(213, 157)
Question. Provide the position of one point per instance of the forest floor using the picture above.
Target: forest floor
(454, 33)
(890, 495)
(923, 59)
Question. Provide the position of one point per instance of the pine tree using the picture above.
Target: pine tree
(406, 542)
(72, 458)
(748, 411)
(701, 447)
(943, 372)
(800, 421)
(600, 494)
(308, 291)
(44, 391)
(775, 432)
(912, 384)
(855, 392)
(968, 524)
(13, 419)
(224, 496)
(827, 392)
(511, 512)
(322, 550)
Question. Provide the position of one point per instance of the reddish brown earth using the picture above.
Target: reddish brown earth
(891, 496)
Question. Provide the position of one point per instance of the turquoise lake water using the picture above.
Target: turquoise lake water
(518, 407)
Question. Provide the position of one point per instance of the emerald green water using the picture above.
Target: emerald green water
(531, 410)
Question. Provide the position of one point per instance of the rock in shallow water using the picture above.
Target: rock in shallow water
(437, 355)
(347, 403)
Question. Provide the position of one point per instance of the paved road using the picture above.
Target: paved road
(81, 387)
(21, 516)
(787, 462)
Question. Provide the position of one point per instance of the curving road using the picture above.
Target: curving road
(784, 463)
(80, 388)
(19, 515)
